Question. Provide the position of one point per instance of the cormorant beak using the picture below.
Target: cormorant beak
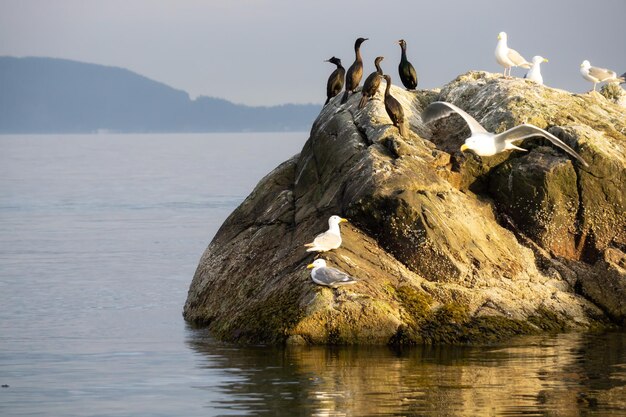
(310, 266)
(342, 220)
(464, 147)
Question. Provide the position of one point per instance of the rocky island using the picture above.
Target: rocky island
(446, 247)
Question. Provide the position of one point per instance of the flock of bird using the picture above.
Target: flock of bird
(480, 141)
(353, 76)
(508, 58)
(329, 240)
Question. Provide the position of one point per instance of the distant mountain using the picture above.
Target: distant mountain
(46, 95)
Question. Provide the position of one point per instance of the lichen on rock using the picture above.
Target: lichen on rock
(446, 247)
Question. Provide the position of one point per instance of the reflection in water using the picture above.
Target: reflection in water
(555, 375)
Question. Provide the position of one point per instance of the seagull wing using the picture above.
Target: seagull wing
(325, 241)
(602, 73)
(331, 277)
(518, 59)
(525, 131)
(440, 109)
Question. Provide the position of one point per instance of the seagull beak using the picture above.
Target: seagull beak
(545, 60)
(582, 65)
(342, 220)
(464, 147)
(310, 266)
(499, 37)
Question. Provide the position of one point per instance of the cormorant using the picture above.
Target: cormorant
(335, 81)
(372, 82)
(394, 109)
(408, 76)
(355, 72)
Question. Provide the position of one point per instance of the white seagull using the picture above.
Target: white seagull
(330, 277)
(330, 239)
(534, 74)
(597, 75)
(508, 57)
(485, 143)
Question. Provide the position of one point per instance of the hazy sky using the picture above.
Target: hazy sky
(265, 52)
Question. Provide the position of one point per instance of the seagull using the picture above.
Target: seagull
(534, 74)
(485, 143)
(508, 57)
(330, 239)
(330, 277)
(598, 75)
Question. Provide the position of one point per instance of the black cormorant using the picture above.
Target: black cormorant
(408, 76)
(355, 72)
(371, 84)
(394, 109)
(335, 81)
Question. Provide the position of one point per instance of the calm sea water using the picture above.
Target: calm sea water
(99, 239)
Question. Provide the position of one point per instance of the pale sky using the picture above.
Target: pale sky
(267, 52)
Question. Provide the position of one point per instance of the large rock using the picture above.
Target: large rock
(446, 247)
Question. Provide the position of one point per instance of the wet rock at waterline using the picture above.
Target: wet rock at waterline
(446, 247)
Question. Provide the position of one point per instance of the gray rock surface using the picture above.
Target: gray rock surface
(446, 247)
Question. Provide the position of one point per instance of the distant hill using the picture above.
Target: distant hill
(46, 95)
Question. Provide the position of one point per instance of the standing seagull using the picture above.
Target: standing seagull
(508, 57)
(408, 76)
(330, 239)
(394, 109)
(371, 84)
(355, 72)
(534, 74)
(335, 81)
(330, 277)
(597, 75)
(485, 143)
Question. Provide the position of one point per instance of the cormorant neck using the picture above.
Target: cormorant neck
(357, 52)
(403, 52)
(378, 68)
(387, 88)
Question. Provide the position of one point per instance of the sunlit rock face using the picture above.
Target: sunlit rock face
(447, 247)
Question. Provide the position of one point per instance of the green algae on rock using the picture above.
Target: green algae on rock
(446, 247)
